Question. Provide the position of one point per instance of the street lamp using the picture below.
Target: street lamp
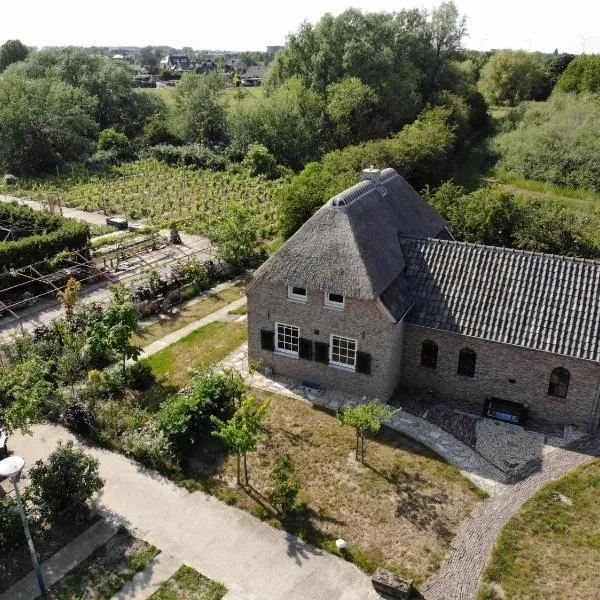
(11, 468)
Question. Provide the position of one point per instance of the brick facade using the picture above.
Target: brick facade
(498, 364)
(361, 320)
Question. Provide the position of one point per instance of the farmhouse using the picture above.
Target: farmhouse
(372, 294)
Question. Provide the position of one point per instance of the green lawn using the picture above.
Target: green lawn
(188, 584)
(550, 550)
(106, 570)
(188, 314)
(203, 347)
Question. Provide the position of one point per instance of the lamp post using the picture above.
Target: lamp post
(11, 468)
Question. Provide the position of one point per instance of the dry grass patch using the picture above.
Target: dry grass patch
(188, 314)
(188, 584)
(550, 550)
(400, 509)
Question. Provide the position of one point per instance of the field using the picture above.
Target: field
(551, 549)
(233, 98)
(156, 192)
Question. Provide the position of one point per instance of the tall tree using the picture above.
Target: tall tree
(12, 51)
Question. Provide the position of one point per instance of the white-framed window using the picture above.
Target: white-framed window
(297, 294)
(287, 338)
(334, 300)
(342, 352)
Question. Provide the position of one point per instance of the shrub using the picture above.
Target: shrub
(63, 484)
(11, 528)
(10, 179)
(150, 447)
(112, 383)
(194, 155)
(175, 297)
(140, 376)
(79, 416)
(286, 485)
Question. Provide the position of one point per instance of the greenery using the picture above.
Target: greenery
(581, 76)
(11, 528)
(236, 236)
(242, 431)
(63, 484)
(286, 486)
(48, 235)
(12, 51)
(554, 141)
(365, 418)
(551, 545)
(188, 584)
(512, 76)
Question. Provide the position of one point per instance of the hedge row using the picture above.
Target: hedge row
(61, 234)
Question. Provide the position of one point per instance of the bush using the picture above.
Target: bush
(63, 484)
(79, 416)
(151, 447)
(10, 179)
(112, 383)
(185, 417)
(140, 376)
(194, 155)
(11, 527)
(286, 485)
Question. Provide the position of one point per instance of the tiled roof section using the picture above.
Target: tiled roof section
(397, 297)
(539, 301)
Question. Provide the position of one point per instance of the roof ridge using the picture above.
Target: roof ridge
(507, 249)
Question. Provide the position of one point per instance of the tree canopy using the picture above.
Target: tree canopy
(582, 75)
(12, 51)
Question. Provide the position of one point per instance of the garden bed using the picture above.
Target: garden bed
(400, 509)
(106, 570)
(48, 540)
(551, 548)
(188, 584)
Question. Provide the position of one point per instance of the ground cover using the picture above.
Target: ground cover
(204, 347)
(188, 314)
(400, 509)
(550, 550)
(155, 191)
(188, 584)
(106, 570)
(48, 538)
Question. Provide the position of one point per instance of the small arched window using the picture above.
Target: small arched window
(559, 382)
(429, 354)
(466, 362)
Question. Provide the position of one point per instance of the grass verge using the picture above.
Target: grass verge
(188, 314)
(106, 570)
(203, 347)
(400, 509)
(188, 584)
(551, 548)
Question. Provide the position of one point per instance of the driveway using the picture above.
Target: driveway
(254, 560)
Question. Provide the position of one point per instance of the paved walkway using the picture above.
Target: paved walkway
(472, 465)
(462, 567)
(255, 561)
(146, 582)
(66, 559)
(171, 338)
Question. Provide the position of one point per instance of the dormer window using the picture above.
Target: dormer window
(297, 294)
(334, 300)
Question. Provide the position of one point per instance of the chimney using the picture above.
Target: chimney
(371, 174)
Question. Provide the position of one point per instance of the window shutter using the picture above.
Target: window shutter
(363, 363)
(305, 349)
(267, 339)
(322, 352)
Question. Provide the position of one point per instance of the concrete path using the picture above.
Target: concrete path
(171, 338)
(66, 559)
(253, 560)
(146, 582)
(472, 465)
(459, 576)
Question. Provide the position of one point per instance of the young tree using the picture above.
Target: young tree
(236, 235)
(286, 485)
(68, 297)
(62, 485)
(365, 418)
(259, 161)
(242, 432)
(12, 51)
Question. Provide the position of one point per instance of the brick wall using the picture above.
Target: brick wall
(360, 319)
(497, 364)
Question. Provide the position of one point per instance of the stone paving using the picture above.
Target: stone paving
(472, 465)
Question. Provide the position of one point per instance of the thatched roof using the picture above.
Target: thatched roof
(351, 245)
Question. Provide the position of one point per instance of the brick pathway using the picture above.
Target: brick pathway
(462, 568)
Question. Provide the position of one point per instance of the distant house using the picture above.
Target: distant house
(235, 64)
(176, 63)
(372, 293)
(254, 76)
(206, 67)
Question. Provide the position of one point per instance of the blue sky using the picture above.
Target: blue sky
(239, 25)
